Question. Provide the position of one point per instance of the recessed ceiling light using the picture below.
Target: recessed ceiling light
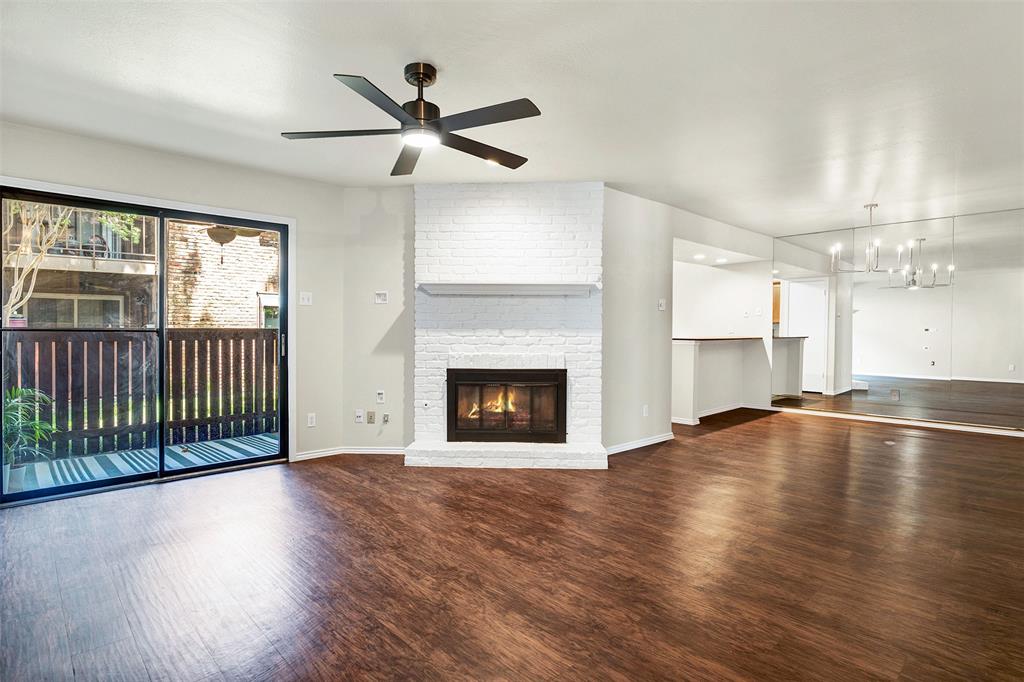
(721, 260)
(699, 256)
(775, 272)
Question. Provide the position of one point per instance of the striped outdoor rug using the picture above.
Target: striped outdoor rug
(109, 465)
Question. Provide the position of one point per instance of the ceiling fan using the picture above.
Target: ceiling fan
(422, 123)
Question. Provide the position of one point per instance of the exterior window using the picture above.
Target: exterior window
(269, 310)
(91, 312)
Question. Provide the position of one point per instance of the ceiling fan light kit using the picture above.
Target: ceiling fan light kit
(422, 124)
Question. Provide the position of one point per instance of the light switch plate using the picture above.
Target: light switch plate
(305, 298)
(661, 304)
(380, 297)
(380, 397)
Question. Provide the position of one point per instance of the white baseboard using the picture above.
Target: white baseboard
(930, 377)
(967, 428)
(840, 391)
(989, 379)
(718, 410)
(721, 408)
(354, 450)
(634, 444)
(941, 378)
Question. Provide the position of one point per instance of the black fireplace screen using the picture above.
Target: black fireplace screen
(524, 405)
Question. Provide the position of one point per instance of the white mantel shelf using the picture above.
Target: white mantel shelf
(507, 288)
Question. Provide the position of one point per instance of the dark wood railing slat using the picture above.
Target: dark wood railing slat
(202, 388)
(61, 395)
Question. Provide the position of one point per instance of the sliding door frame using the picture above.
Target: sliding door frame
(24, 192)
(281, 359)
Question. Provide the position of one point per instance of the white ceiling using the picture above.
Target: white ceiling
(976, 242)
(685, 251)
(779, 117)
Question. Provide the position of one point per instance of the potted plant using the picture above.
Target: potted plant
(25, 435)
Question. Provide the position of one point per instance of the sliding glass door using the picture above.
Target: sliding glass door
(137, 343)
(223, 343)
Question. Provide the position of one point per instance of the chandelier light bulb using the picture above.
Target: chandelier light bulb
(935, 266)
(950, 267)
(878, 242)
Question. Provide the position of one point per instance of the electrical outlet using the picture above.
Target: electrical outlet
(645, 411)
(360, 416)
(385, 418)
(380, 297)
(305, 298)
(380, 396)
(371, 417)
(311, 419)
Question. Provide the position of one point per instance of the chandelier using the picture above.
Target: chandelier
(908, 270)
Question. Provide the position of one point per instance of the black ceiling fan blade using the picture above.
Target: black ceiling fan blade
(340, 133)
(374, 94)
(496, 113)
(406, 160)
(484, 151)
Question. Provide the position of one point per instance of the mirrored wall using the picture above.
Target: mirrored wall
(917, 320)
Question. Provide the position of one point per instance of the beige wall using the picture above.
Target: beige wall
(637, 337)
(341, 235)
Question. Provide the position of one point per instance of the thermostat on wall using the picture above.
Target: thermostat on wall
(380, 297)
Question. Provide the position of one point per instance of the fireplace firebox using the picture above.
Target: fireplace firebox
(506, 405)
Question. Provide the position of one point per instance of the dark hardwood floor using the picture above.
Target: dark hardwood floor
(756, 546)
(983, 403)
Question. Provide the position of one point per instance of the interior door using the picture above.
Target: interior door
(808, 316)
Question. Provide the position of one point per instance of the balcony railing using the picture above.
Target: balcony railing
(91, 234)
(101, 387)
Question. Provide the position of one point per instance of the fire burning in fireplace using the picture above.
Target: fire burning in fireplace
(504, 402)
(510, 405)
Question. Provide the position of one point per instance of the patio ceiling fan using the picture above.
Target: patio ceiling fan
(423, 126)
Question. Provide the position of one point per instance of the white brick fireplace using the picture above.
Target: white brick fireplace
(508, 276)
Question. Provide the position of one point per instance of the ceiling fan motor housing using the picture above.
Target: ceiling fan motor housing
(422, 110)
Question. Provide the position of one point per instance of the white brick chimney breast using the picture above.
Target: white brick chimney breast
(518, 240)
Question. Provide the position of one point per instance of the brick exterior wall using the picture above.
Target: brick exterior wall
(522, 233)
(203, 292)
